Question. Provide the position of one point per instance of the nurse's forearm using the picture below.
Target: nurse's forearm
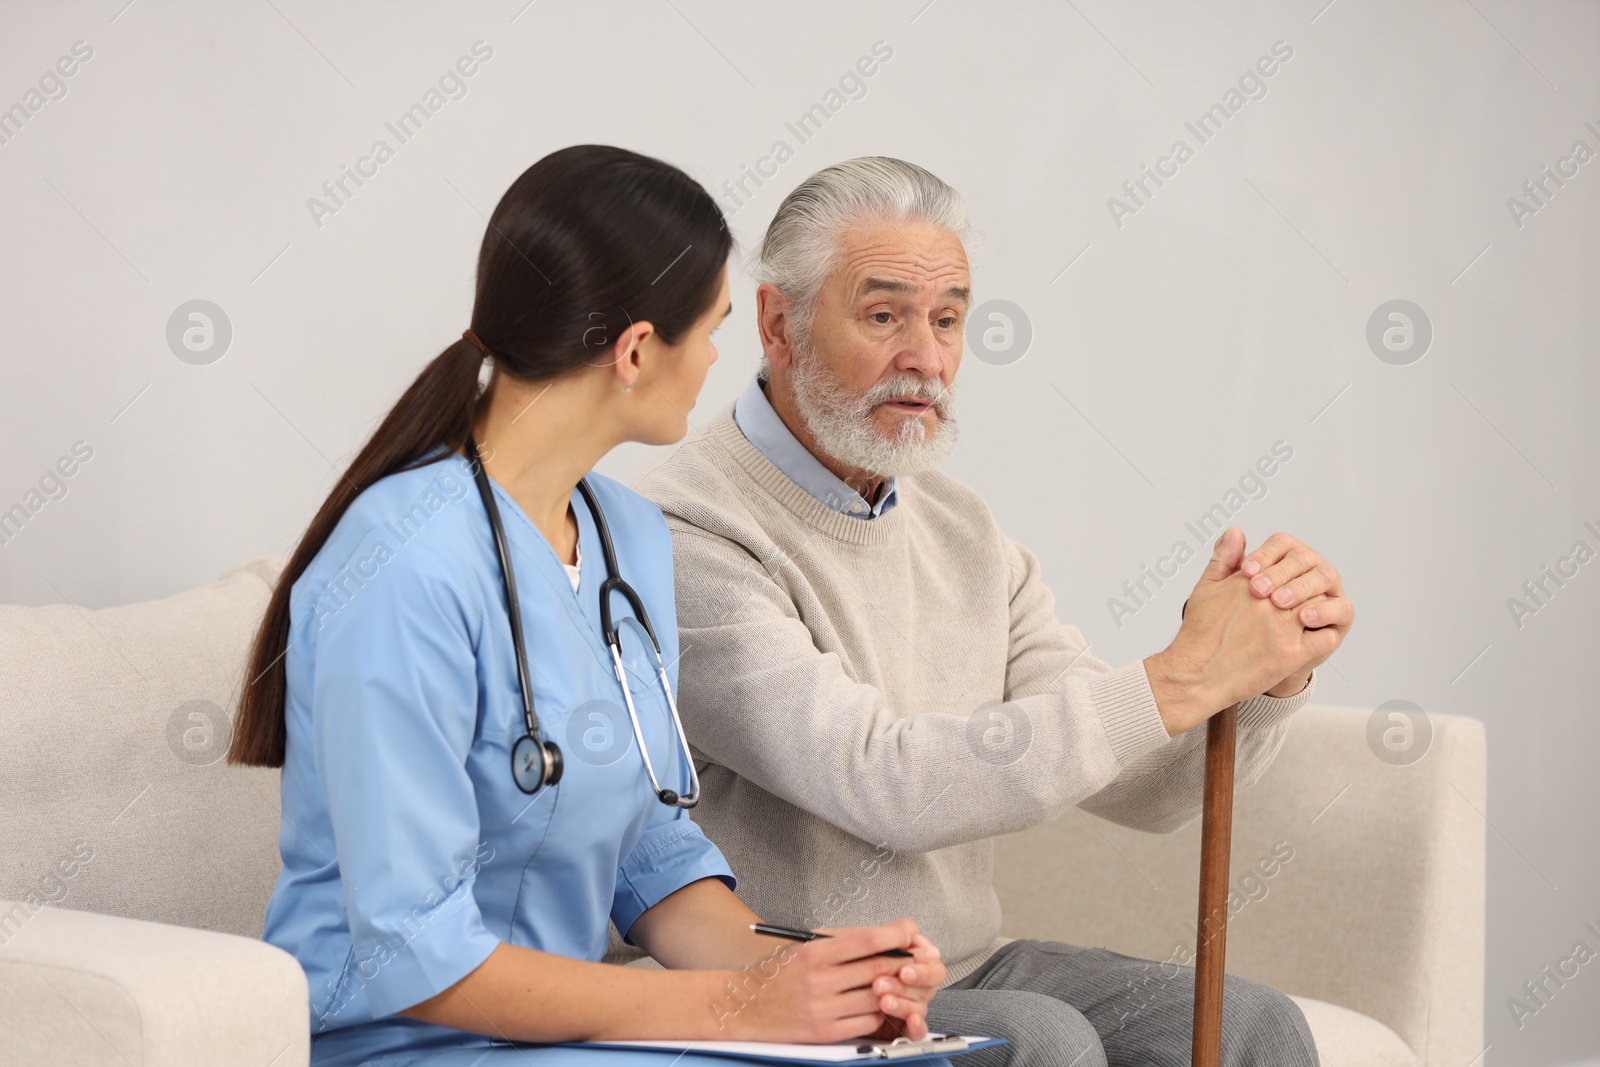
(702, 925)
(522, 994)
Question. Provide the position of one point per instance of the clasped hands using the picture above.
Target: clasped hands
(1257, 623)
(843, 987)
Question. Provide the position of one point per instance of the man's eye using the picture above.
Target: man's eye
(883, 321)
(948, 321)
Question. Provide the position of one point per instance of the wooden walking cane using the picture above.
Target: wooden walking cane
(1216, 831)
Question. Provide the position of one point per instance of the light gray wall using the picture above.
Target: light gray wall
(1169, 352)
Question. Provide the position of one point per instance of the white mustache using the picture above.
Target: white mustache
(934, 392)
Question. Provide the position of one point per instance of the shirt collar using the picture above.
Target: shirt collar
(765, 429)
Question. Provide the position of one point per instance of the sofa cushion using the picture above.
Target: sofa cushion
(116, 795)
(1351, 1039)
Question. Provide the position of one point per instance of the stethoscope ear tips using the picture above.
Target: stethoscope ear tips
(667, 796)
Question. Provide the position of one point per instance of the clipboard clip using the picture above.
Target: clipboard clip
(903, 1047)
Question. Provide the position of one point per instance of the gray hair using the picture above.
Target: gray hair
(801, 246)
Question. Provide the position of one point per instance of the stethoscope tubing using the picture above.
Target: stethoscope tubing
(612, 584)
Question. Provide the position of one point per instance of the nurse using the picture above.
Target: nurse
(451, 902)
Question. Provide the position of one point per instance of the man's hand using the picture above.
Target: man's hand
(1234, 644)
(1291, 575)
(1288, 572)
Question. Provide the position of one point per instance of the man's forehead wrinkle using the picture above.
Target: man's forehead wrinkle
(922, 235)
(889, 267)
(923, 253)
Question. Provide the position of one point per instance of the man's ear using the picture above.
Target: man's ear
(772, 322)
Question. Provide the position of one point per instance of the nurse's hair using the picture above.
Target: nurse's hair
(802, 243)
(574, 253)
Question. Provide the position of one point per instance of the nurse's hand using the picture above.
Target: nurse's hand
(903, 996)
(823, 990)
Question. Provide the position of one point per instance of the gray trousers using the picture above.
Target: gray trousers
(1064, 1006)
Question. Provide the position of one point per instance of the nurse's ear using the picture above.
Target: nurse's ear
(636, 344)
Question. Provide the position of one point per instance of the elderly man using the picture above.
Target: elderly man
(856, 628)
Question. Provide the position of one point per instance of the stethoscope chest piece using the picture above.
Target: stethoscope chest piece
(535, 765)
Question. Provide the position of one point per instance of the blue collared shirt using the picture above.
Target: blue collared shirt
(764, 428)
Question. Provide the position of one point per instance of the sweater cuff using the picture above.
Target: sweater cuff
(1264, 710)
(1128, 713)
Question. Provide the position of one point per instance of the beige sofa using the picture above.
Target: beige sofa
(158, 859)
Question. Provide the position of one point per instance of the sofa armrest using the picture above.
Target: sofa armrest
(85, 988)
(1387, 916)
(1380, 910)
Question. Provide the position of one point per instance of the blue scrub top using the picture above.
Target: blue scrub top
(408, 851)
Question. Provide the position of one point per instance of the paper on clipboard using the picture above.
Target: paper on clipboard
(844, 1052)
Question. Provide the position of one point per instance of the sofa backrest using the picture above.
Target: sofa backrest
(114, 793)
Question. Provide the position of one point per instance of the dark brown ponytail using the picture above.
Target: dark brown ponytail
(586, 241)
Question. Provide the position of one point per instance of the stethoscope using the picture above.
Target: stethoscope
(534, 763)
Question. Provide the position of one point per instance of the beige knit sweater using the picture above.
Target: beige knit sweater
(870, 702)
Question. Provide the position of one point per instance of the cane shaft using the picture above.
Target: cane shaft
(1216, 832)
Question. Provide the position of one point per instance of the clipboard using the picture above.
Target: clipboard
(900, 1050)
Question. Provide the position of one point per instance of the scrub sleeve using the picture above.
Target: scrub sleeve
(395, 702)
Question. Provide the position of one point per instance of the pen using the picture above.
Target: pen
(808, 935)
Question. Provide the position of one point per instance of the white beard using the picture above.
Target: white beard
(843, 425)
